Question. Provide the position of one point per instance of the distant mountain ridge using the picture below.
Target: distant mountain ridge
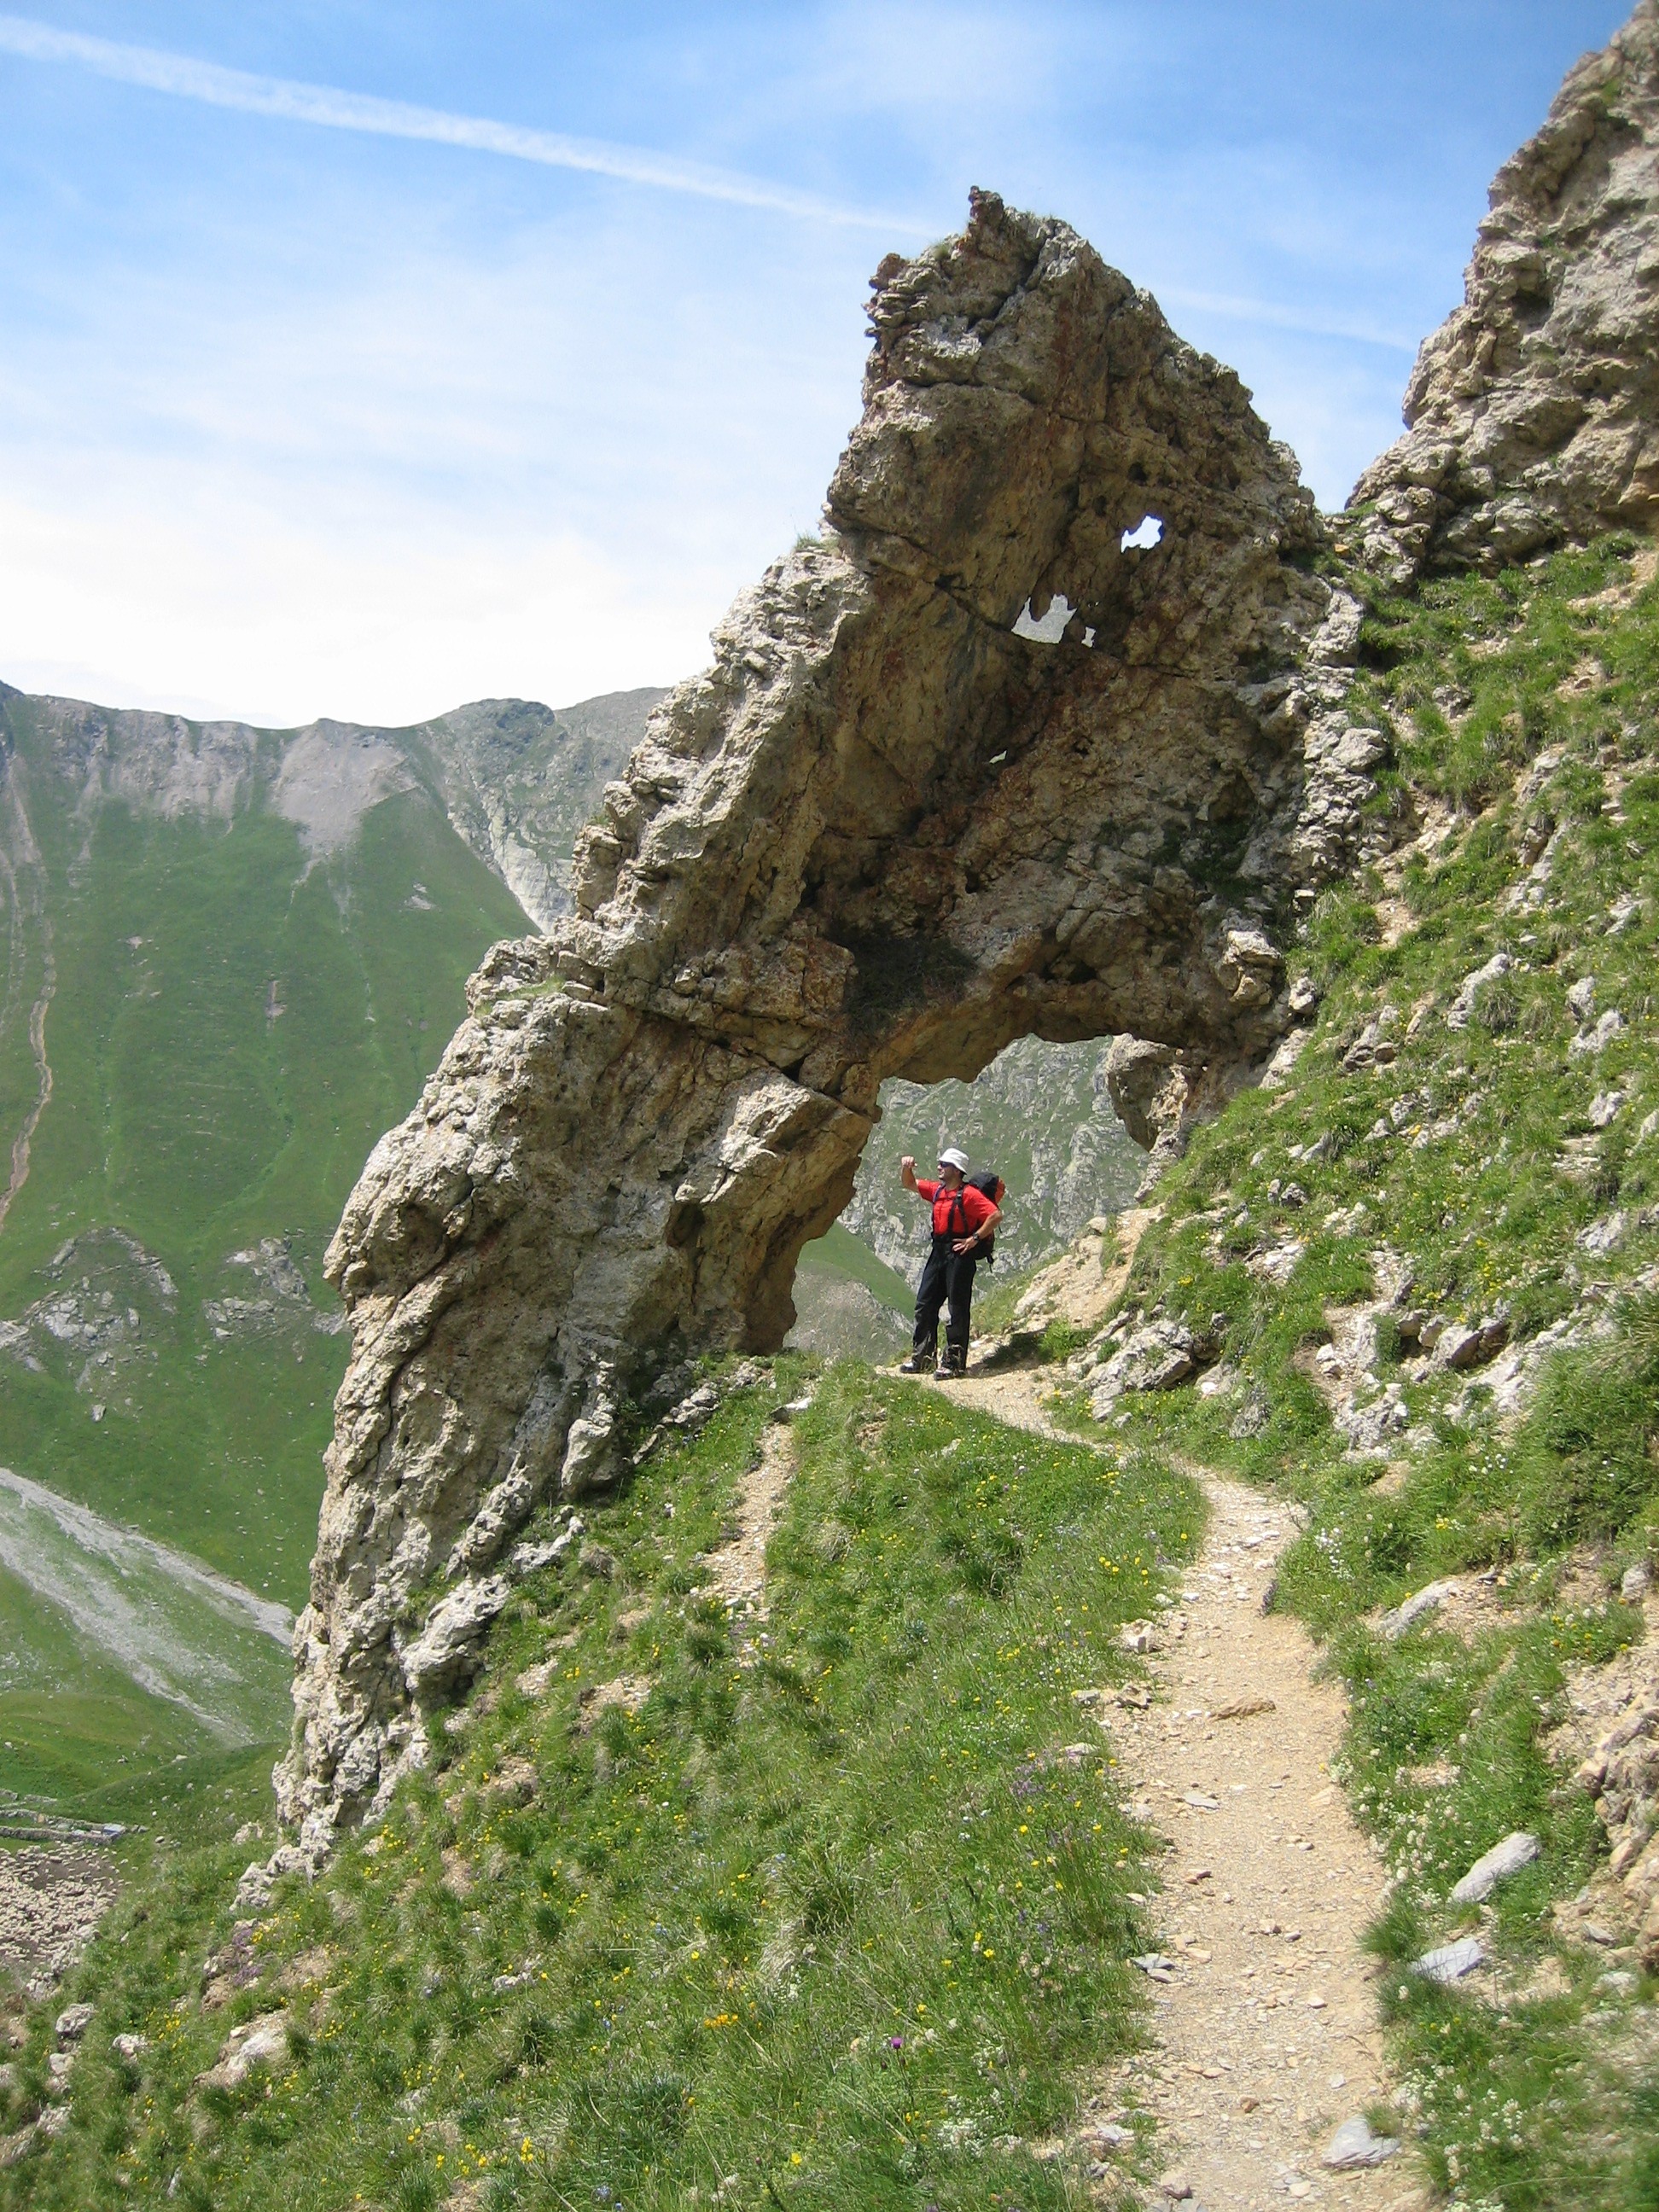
(516, 780)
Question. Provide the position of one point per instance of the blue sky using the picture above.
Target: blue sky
(301, 419)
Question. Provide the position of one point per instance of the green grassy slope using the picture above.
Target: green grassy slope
(840, 1254)
(830, 1919)
(184, 1116)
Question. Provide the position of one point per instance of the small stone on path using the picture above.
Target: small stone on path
(1354, 2145)
(1155, 1966)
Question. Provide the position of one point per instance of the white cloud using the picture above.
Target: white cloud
(211, 602)
(387, 479)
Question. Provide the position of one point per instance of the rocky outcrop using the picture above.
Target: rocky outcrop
(1532, 409)
(108, 1302)
(1610, 1738)
(967, 768)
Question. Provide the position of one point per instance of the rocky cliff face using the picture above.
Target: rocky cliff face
(968, 768)
(1534, 409)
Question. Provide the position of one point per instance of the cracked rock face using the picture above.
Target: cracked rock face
(884, 835)
(1531, 410)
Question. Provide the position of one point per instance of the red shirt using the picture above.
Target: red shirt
(954, 1208)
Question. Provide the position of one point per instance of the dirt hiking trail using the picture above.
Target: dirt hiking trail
(1266, 2025)
(737, 1571)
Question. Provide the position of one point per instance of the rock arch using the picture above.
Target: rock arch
(882, 835)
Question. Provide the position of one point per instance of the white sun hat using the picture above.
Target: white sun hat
(951, 1157)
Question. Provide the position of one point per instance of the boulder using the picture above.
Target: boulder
(1508, 1857)
(1466, 1343)
(256, 2043)
(1597, 1037)
(1424, 1601)
(1154, 1357)
(1353, 2146)
(447, 1648)
(1462, 1005)
(1450, 1962)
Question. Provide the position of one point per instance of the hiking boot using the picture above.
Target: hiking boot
(954, 1363)
(916, 1363)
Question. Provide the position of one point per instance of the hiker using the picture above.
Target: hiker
(964, 1222)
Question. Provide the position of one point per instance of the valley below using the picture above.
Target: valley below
(234, 956)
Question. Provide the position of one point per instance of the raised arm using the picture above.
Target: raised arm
(908, 1171)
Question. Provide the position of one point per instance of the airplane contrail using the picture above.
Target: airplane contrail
(327, 106)
(1291, 319)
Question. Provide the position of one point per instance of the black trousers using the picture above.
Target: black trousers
(947, 1275)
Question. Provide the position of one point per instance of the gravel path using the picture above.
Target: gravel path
(1266, 2028)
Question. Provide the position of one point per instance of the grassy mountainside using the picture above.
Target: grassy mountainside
(828, 1917)
(848, 1303)
(233, 957)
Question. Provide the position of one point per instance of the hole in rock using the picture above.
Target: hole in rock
(1041, 1116)
(1148, 531)
(1049, 631)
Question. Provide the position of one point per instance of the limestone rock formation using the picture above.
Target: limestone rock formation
(967, 768)
(1531, 410)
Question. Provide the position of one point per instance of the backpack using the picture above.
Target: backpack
(989, 1185)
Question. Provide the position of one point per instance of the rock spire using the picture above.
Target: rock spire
(982, 762)
(1532, 411)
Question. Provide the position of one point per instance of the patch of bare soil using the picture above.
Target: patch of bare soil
(1267, 2035)
(51, 1903)
(736, 1572)
(1078, 1288)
